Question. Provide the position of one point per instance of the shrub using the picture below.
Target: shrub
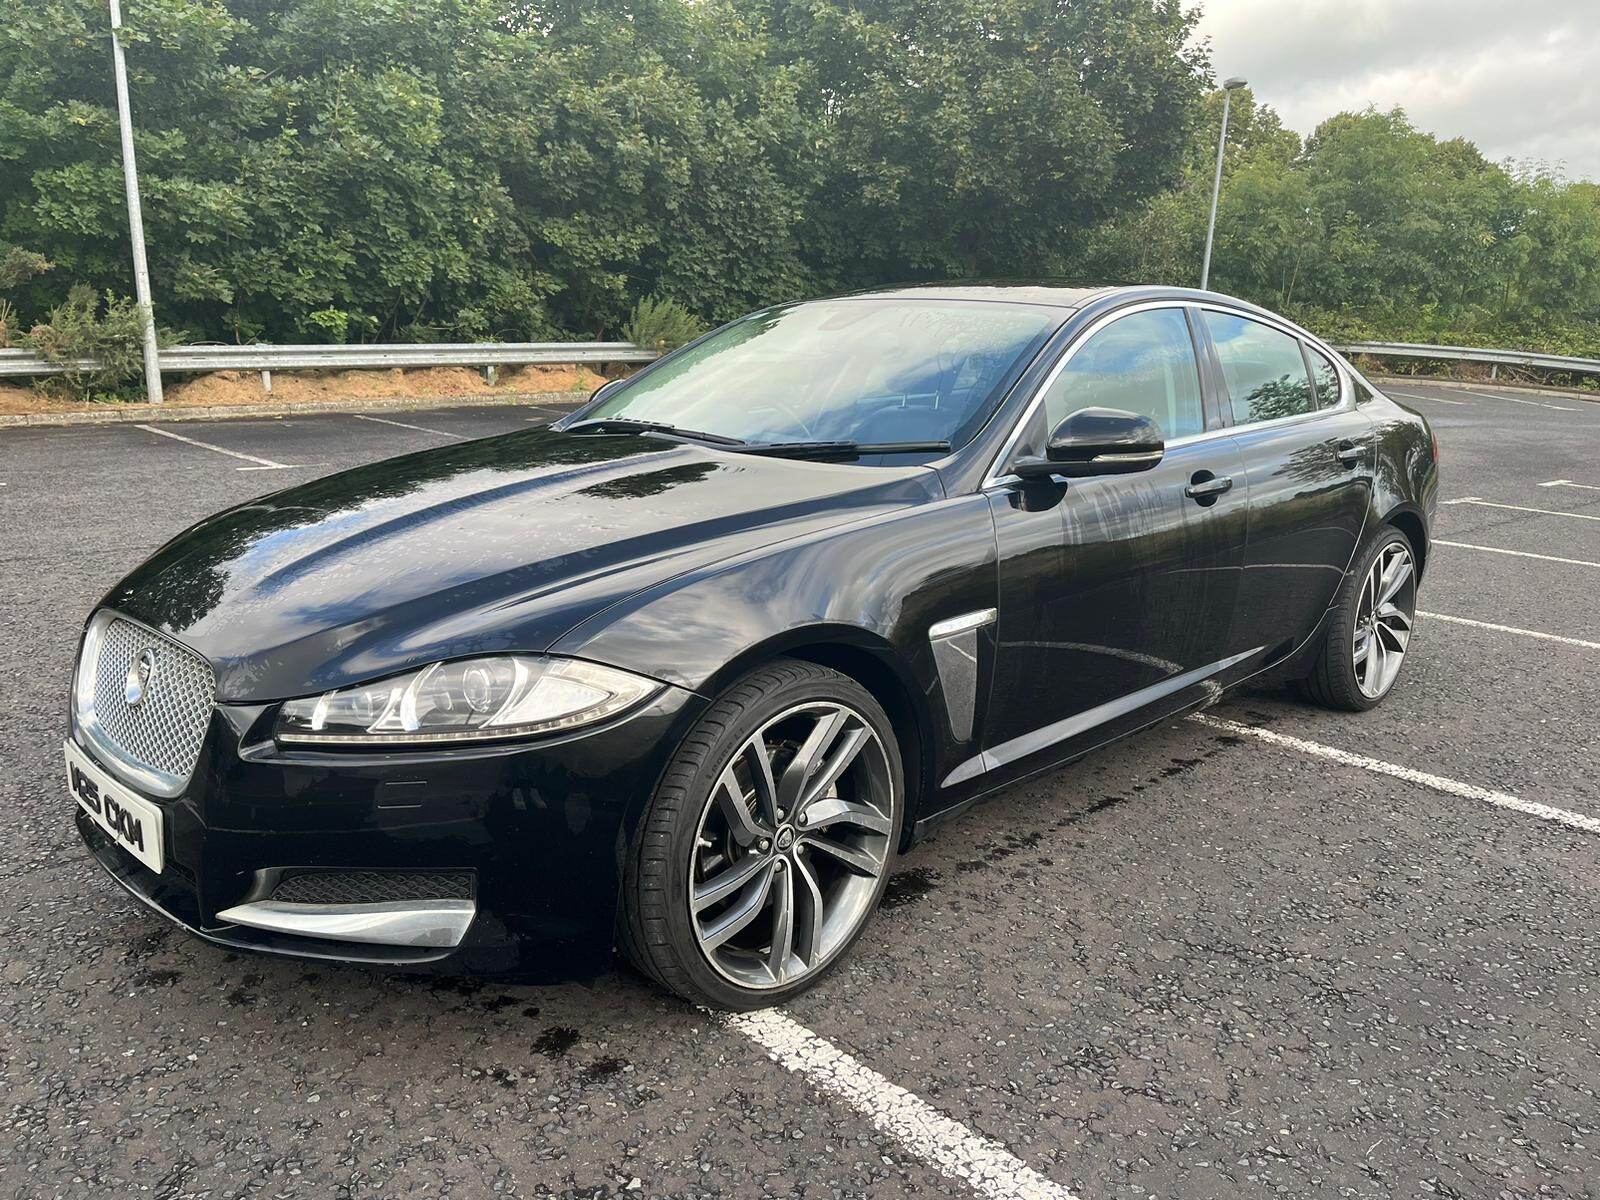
(111, 338)
(17, 266)
(661, 324)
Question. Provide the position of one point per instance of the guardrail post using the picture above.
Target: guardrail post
(266, 382)
(1494, 372)
(491, 374)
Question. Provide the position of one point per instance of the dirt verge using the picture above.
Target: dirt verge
(232, 389)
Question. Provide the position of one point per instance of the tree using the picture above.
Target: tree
(981, 137)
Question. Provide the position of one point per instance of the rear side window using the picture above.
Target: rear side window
(1265, 371)
(1143, 363)
(1326, 376)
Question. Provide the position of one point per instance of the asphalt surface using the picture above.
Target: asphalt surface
(1194, 965)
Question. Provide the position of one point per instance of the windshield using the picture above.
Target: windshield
(866, 371)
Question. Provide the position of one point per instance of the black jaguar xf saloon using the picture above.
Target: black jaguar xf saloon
(686, 671)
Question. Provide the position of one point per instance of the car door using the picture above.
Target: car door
(1308, 460)
(1116, 593)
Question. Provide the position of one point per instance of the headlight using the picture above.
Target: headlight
(472, 700)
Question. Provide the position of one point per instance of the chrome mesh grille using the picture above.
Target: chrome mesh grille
(163, 732)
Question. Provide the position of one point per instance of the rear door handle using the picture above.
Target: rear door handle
(1203, 489)
(1351, 453)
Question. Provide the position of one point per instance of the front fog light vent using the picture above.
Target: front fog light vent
(372, 887)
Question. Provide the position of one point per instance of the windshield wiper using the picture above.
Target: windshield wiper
(844, 449)
(629, 425)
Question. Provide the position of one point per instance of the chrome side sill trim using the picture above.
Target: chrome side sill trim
(441, 923)
(1049, 735)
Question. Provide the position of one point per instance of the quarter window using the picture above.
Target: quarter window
(1143, 363)
(1326, 376)
(1265, 371)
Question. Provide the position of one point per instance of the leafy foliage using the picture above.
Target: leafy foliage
(320, 170)
(662, 324)
(108, 330)
(1374, 230)
(348, 170)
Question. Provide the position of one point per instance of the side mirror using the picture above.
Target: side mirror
(1096, 441)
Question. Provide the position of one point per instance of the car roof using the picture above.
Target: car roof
(1052, 294)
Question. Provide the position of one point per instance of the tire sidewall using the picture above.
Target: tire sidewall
(1341, 635)
(819, 683)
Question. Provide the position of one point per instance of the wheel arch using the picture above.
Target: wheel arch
(1409, 521)
(873, 663)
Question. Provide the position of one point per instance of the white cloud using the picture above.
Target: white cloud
(1521, 80)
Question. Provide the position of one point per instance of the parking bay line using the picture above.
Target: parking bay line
(402, 425)
(1573, 562)
(1548, 512)
(1438, 783)
(1522, 400)
(262, 464)
(1588, 487)
(940, 1141)
(1530, 633)
(1417, 396)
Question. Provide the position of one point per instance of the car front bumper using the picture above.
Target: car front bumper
(530, 836)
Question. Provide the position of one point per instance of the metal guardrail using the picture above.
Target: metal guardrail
(488, 355)
(266, 359)
(1497, 358)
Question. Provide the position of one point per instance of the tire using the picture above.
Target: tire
(697, 867)
(1342, 677)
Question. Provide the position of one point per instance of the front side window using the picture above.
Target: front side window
(1326, 377)
(1143, 363)
(864, 370)
(1264, 369)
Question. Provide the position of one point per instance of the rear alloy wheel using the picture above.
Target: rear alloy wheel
(767, 846)
(1387, 611)
(1367, 638)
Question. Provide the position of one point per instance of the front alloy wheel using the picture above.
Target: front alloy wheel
(791, 846)
(767, 846)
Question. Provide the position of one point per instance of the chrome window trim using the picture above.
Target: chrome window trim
(1299, 335)
(995, 477)
(1345, 391)
(86, 727)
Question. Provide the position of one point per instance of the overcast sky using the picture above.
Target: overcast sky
(1521, 78)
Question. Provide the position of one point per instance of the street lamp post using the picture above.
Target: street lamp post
(1229, 86)
(130, 179)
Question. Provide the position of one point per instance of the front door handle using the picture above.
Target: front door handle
(1351, 453)
(1206, 487)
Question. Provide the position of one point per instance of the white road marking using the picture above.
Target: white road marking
(1532, 633)
(1524, 400)
(987, 1167)
(262, 464)
(1575, 562)
(1548, 512)
(1417, 396)
(1588, 487)
(402, 425)
(1438, 783)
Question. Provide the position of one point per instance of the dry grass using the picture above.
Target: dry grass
(225, 389)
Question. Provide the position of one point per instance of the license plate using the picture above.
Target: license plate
(131, 821)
